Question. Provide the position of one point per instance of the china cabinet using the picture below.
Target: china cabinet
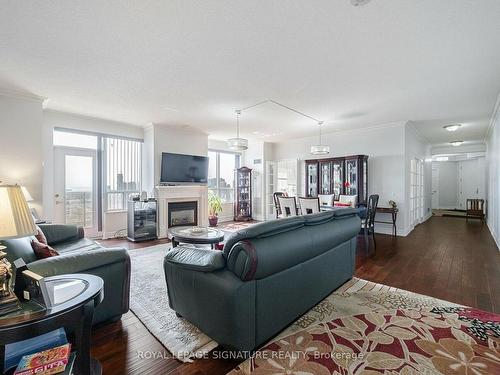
(243, 197)
(343, 175)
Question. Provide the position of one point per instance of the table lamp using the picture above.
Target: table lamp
(15, 222)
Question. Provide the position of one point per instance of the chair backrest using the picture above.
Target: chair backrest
(288, 206)
(351, 199)
(309, 205)
(277, 207)
(326, 199)
(372, 209)
(475, 205)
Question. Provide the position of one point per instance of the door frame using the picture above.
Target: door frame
(60, 153)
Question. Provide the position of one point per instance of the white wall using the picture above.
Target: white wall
(448, 184)
(21, 145)
(493, 174)
(162, 138)
(55, 119)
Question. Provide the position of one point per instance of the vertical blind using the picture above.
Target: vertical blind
(122, 160)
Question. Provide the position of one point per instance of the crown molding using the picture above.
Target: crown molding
(494, 116)
(22, 95)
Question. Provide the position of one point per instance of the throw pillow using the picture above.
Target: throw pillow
(40, 236)
(43, 250)
(342, 204)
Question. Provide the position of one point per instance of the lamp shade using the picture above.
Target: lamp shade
(15, 217)
(27, 194)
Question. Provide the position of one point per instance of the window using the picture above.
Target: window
(221, 166)
(73, 139)
(122, 171)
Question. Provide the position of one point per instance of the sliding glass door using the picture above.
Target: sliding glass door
(75, 198)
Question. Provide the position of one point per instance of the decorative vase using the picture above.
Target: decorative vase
(213, 220)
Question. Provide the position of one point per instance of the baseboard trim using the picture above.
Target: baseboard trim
(387, 229)
(493, 235)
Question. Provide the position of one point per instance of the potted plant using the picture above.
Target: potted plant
(214, 208)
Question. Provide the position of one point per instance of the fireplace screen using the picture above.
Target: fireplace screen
(182, 213)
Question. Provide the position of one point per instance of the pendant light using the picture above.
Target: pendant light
(238, 144)
(320, 149)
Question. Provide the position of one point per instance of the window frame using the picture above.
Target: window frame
(102, 198)
(104, 186)
(237, 164)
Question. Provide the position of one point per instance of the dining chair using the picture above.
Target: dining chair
(326, 199)
(277, 207)
(309, 205)
(288, 206)
(368, 223)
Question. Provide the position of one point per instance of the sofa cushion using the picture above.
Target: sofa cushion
(258, 257)
(78, 246)
(265, 229)
(42, 250)
(60, 233)
(204, 260)
(20, 248)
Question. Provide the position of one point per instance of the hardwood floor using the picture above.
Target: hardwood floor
(445, 257)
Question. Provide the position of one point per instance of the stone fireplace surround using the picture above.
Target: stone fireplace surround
(181, 193)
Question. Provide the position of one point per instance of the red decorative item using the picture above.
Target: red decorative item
(347, 184)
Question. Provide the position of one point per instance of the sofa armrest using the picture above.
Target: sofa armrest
(57, 233)
(203, 260)
(78, 263)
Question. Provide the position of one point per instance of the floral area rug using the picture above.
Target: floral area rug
(367, 328)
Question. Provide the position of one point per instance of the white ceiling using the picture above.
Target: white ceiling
(184, 62)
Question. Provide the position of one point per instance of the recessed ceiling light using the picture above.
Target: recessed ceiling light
(451, 128)
(358, 3)
(442, 158)
(457, 143)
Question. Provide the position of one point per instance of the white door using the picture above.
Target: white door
(75, 198)
(471, 181)
(435, 188)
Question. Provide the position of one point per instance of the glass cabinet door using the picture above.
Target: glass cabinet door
(351, 178)
(312, 179)
(338, 177)
(325, 173)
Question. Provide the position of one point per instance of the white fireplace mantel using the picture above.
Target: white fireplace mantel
(181, 193)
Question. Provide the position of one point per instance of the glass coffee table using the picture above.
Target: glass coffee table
(195, 235)
(74, 298)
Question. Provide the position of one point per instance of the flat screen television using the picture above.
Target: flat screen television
(183, 169)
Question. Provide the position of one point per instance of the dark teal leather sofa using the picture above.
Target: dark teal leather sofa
(267, 276)
(80, 255)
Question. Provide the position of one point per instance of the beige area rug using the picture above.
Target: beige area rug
(149, 302)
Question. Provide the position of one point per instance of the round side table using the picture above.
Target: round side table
(75, 297)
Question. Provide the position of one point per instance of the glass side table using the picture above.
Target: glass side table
(75, 297)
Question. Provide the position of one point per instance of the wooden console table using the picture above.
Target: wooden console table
(394, 215)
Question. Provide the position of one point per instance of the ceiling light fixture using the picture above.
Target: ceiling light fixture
(241, 144)
(452, 128)
(238, 144)
(358, 3)
(442, 158)
(320, 149)
(456, 143)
